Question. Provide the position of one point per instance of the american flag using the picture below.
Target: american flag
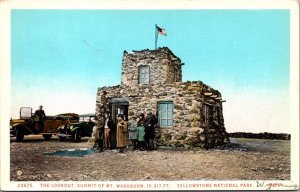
(161, 31)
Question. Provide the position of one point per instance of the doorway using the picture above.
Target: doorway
(119, 106)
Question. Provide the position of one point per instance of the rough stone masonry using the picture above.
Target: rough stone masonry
(190, 114)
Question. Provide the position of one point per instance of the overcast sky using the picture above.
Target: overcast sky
(60, 58)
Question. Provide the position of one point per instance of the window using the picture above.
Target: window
(144, 74)
(165, 114)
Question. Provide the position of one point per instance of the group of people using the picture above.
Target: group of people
(139, 130)
(104, 135)
(142, 132)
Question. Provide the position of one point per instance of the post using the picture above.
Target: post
(156, 36)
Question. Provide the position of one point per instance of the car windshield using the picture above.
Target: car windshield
(25, 112)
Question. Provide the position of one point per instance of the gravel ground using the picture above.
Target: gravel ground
(242, 159)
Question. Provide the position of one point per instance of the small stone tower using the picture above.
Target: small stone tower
(151, 67)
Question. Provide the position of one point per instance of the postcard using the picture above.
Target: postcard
(149, 95)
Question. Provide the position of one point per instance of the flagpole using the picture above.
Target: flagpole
(156, 36)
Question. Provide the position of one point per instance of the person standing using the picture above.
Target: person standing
(133, 132)
(121, 133)
(141, 120)
(101, 138)
(40, 117)
(97, 134)
(106, 132)
(112, 133)
(141, 132)
(150, 122)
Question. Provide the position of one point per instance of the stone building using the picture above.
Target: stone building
(189, 113)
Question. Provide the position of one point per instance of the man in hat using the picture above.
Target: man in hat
(109, 132)
(150, 122)
(40, 117)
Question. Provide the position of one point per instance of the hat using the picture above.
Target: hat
(121, 115)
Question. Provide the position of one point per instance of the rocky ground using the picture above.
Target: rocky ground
(242, 159)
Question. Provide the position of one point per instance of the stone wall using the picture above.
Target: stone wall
(165, 67)
(188, 98)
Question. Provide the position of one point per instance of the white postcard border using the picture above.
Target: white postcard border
(5, 60)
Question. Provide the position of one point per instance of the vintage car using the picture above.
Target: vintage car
(75, 131)
(27, 124)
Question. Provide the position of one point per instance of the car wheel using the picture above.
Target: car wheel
(77, 136)
(19, 135)
(61, 139)
(47, 136)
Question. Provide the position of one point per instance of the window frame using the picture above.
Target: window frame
(147, 74)
(167, 111)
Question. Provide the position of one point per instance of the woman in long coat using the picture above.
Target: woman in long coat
(133, 132)
(121, 133)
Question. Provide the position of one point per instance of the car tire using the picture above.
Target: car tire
(19, 135)
(77, 136)
(62, 139)
(47, 136)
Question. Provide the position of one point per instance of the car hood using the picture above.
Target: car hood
(78, 123)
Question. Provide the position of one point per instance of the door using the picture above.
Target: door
(208, 112)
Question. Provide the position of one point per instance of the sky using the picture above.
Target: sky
(60, 57)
